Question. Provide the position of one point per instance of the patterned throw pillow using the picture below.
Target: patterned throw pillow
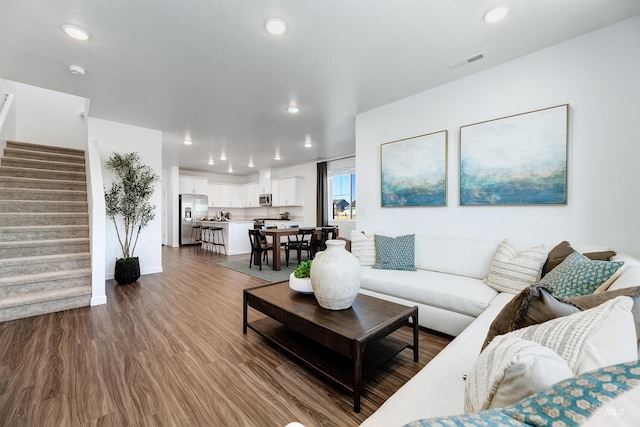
(395, 253)
(578, 275)
(568, 403)
(512, 271)
(363, 246)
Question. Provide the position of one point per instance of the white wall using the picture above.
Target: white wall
(597, 74)
(48, 117)
(117, 137)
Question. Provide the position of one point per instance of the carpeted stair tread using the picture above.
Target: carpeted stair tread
(45, 148)
(42, 173)
(38, 164)
(42, 243)
(42, 259)
(15, 182)
(43, 206)
(8, 193)
(43, 155)
(44, 277)
(44, 296)
(19, 228)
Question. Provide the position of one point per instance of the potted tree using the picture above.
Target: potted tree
(127, 204)
(300, 280)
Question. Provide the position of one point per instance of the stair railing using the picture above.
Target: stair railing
(4, 112)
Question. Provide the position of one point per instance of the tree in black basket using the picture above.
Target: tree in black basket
(127, 204)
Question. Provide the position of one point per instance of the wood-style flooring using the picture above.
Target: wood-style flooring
(169, 351)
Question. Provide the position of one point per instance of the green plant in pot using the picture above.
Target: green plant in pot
(300, 279)
(127, 204)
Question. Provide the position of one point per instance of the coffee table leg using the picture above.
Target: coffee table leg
(416, 347)
(357, 375)
(244, 312)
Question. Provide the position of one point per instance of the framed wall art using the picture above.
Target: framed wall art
(414, 171)
(516, 160)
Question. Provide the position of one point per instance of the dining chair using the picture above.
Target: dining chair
(319, 242)
(259, 247)
(299, 242)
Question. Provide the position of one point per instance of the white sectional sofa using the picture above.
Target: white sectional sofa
(452, 298)
(448, 285)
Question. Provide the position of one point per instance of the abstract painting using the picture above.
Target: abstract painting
(414, 171)
(516, 160)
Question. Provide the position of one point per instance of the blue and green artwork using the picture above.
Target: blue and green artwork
(517, 160)
(414, 171)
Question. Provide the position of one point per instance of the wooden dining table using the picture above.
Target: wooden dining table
(276, 234)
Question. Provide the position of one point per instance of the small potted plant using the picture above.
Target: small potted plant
(300, 280)
(127, 204)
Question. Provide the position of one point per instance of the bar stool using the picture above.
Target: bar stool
(204, 237)
(217, 239)
(196, 237)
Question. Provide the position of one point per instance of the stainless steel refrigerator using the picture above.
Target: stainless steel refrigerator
(193, 208)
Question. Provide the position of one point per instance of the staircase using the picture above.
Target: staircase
(45, 265)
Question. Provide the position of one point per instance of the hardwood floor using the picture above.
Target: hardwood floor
(169, 351)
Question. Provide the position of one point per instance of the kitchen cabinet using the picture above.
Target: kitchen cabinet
(193, 185)
(225, 196)
(288, 191)
(214, 191)
(250, 195)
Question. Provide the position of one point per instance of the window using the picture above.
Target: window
(343, 194)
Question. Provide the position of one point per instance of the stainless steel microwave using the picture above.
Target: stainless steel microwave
(265, 200)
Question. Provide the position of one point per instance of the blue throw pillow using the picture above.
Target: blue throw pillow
(568, 403)
(395, 253)
(578, 275)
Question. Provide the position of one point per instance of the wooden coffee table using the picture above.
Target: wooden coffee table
(343, 346)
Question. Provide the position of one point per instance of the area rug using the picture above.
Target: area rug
(267, 274)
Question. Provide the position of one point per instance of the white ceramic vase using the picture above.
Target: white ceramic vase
(300, 285)
(335, 276)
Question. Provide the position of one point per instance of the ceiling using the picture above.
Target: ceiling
(208, 71)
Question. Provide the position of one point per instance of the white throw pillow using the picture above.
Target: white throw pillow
(591, 339)
(363, 247)
(512, 271)
(510, 369)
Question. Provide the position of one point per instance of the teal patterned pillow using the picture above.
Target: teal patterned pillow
(578, 275)
(395, 253)
(568, 403)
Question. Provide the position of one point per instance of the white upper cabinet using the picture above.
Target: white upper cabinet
(193, 185)
(288, 191)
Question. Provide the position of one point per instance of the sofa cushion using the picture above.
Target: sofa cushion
(453, 255)
(510, 369)
(589, 339)
(565, 403)
(513, 270)
(395, 253)
(564, 249)
(531, 306)
(578, 275)
(455, 293)
(363, 246)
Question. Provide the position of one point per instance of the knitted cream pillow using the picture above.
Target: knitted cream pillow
(512, 271)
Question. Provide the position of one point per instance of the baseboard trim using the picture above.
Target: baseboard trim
(99, 300)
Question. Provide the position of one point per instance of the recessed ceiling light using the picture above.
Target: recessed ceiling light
(307, 142)
(187, 142)
(211, 161)
(250, 163)
(75, 32)
(77, 70)
(276, 26)
(230, 169)
(293, 109)
(277, 156)
(496, 14)
(223, 156)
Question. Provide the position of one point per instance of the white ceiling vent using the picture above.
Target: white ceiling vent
(468, 60)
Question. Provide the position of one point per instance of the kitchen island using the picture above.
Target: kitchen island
(236, 235)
